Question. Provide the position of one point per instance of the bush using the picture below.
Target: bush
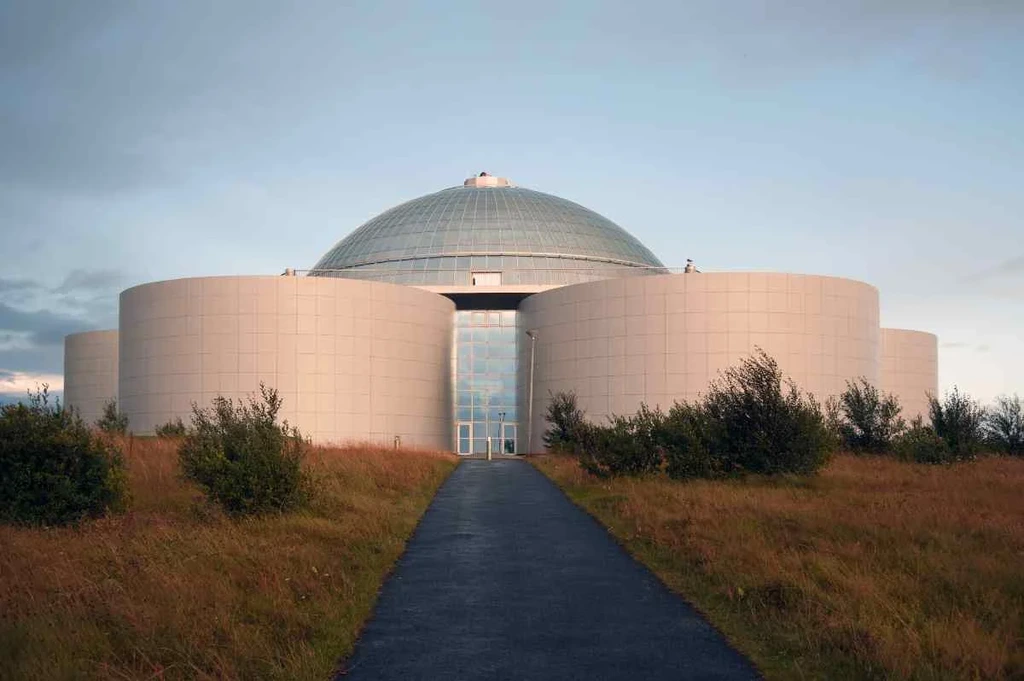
(870, 420)
(173, 428)
(112, 422)
(921, 444)
(566, 419)
(683, 439)
(759, 422)
(958, 420)
(750, 421)
(1004, 426)
(53, 469)
(833, 413)
(626, 446)
(242, 458)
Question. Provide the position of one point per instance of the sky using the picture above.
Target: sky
(878, 140)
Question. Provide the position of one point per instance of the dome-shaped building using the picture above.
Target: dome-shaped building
(487, 245)
(488, 226)
(447, 321)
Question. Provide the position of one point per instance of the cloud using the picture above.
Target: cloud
(119, 98)
(15, 385)
(47, 359)
(79, 287)
(51, 142)
(7, 285)
(41, 326)
(35, 316)
(20, 382)
(756, 41)
(15, 340)
(1003, 280)
(1010, 266)
(109, 103)
(980, 348)
(78, 281)
(34, 32)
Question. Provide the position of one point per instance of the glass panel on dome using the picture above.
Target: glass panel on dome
(492, 222)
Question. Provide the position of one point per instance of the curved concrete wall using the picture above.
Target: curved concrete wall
(90, 372)
(352, 359)
(659, 339)
(909, 368)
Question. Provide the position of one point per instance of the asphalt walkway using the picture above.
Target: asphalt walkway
(506, 579)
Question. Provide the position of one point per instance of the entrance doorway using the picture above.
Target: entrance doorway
(485, 374)
(465, 438)
(508, 438)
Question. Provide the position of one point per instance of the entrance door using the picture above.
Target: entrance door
(465, 438)
(508, 438)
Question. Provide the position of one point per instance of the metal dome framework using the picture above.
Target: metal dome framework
(487, 225)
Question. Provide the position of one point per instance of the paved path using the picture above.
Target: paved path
(506, 579)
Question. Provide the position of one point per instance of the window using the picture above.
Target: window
(487, 279)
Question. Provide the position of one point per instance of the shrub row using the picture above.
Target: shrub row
(751, 420)
(754, 420)
(958, 428)
(54, 470)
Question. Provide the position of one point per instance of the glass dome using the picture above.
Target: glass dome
(492, 230)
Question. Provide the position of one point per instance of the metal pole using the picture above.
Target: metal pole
(529, 407)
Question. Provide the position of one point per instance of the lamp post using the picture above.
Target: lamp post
(532, 333)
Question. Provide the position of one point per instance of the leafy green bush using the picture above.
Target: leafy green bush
(1004, 426)
(833, 414)
(758, 422)
(626, 446)
(683, 438)
(751, 420)
(53, 469)
(242, 458)
(921, 444)
(173, 428)
(113, 421)
(870, 420)
(566, 420)
(958, 420)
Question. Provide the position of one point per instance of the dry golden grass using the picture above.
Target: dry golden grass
(874, 569)
(173, 589)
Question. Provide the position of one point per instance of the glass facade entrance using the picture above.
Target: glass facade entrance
(465, 444)
(486, 363)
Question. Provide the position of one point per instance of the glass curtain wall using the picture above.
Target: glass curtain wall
(486, 363)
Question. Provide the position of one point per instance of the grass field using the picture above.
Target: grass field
(173, 589)
(875, 569)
